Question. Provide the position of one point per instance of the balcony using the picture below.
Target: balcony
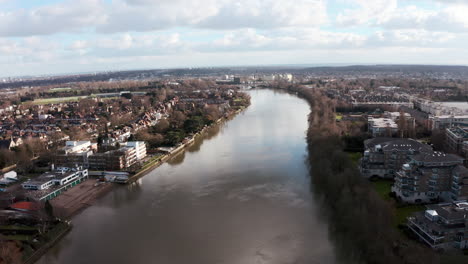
(431, 239)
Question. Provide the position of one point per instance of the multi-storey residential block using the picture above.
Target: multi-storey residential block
(140, 148)
(447, 121)
(120, 159)
(430, 177)
(385, 156)
(454, 138)
(442, 226)
(75, 153)
(382, 127)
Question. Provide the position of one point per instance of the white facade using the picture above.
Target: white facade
(447, 121)
(140, 148)
(78, 146)
(37, 185)
(11, 175)
(61, 176)
(382, 126)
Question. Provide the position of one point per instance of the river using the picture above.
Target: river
(239, 195)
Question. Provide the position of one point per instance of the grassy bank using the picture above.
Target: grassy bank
(401, 212)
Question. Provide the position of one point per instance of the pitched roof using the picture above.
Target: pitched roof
(436, 156)
(398, 144)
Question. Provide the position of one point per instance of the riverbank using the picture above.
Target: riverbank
(82, 196)
(223, 186)
(361, 221)
(158, 162)
(58, 234)
(78, 198)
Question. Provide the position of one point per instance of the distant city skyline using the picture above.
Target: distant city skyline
(56, 37)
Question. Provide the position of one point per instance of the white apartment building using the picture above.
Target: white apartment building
(379, 127)
(140, 148)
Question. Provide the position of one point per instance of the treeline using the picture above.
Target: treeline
(361, 223)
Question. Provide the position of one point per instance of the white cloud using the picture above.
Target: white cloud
(366, 12)
(63, 17)
(204, 32)
(391, 14)
(145, 15)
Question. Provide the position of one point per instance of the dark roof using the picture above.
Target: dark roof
(436, 156)
(369, 143)
(451, 211)
(5, 144)
(398, 144)
(461, 170)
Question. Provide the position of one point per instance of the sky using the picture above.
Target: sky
(67, 36)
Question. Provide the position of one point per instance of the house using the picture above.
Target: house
(8, 178)
(442, 226)
(10, 143)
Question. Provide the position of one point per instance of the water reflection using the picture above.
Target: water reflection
(239, 195)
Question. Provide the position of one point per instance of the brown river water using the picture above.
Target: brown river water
(238, 195)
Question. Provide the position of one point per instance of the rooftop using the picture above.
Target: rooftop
(382, 122)
(458, 132)
(399, 144)
(438, 157)
(451, 211)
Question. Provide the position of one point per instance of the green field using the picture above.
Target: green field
(355, 156)
(13, 227)
(57, 100)
(58, 90)
(402, 213)
(383, 188)
(18, 237)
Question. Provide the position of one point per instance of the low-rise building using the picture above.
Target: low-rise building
(454, 138)
(442, 226)
(383, 157)
(430, 177)
(447, 121)
(51, 184)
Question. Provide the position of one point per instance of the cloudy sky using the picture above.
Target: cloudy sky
(53, 36)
